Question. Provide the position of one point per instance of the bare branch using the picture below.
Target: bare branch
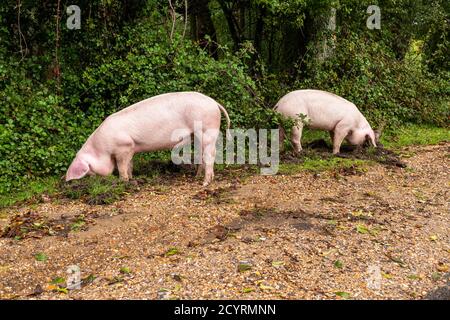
(172, 13)
(21, 35)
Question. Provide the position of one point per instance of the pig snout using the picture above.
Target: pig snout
(372, 138)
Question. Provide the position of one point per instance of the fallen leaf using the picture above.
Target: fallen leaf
(338, 264)
(362, 229)
(395, 259)
(248, 290)
(433, 237)
(41, 257)
(265, 287)
(332, 222)
(62, 290)
(89, 279)
(357, 213)
(116, 279)
(177, 277)
(277, 264)
(171, 252)
(52, 287)
(244, 266)
(125, 270)
(343, 294)
(442, 267)
(58, 280)
(435, 276)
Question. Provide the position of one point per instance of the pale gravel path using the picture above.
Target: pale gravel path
(291, 229)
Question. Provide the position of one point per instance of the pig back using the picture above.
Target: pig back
(149, 125)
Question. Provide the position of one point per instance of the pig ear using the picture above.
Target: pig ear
(77, 170)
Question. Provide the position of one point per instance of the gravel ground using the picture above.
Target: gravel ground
(383, 233)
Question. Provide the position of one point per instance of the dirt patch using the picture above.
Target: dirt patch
(217, 195)
(299, 236)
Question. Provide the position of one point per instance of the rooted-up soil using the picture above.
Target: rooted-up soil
(320, 148)
(380, 234)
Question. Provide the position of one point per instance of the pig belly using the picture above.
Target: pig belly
(324, 117)
(160, 140)
(321, 124)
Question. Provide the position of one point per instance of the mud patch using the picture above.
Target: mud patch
(379, 154)
(256, 218)
(155, 168)
(320, 149)
(216, 196)
(97, 190)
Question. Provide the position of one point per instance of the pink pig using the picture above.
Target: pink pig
(326, 111)
(149, 126)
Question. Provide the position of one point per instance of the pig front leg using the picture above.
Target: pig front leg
(339, 134)
(297, 137)
(124, 164)
(130, 169)
(281, 137)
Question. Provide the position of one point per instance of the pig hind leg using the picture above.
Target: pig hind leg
(209, 155)
(198, 158)
(297, 137)
(200, 169)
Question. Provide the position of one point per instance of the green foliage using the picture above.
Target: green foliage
(37, 135)
(388, 92)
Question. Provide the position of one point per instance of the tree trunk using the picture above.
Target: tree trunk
(202, 25)
(327, 42)
(259, 30)
(234, 32)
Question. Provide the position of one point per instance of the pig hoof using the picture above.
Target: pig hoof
(206, 183)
